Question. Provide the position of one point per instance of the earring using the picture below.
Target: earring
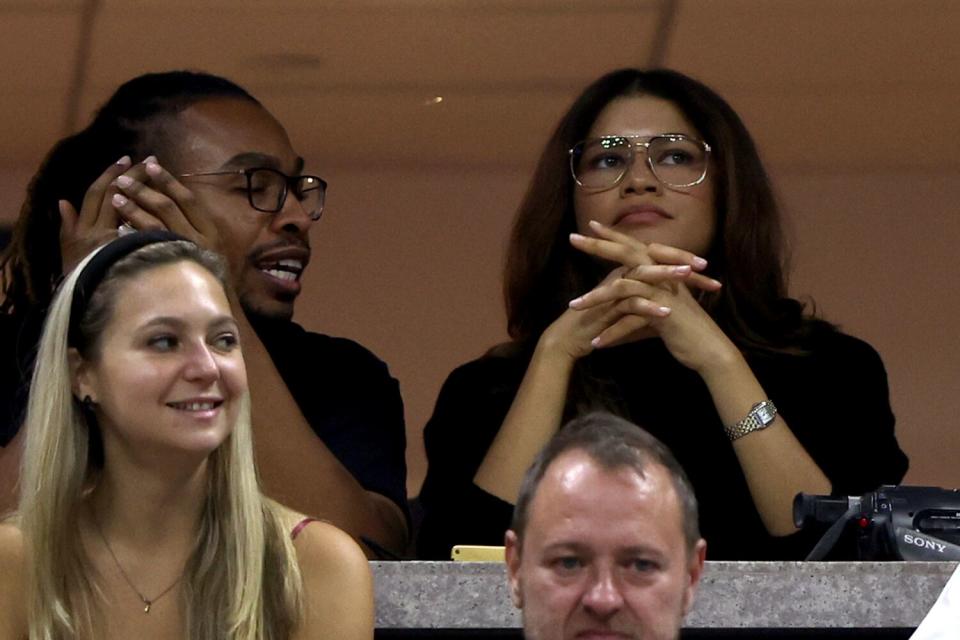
(88, 402)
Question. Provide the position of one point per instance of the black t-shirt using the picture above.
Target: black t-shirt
(835, 400)
(18, 346)
(350, 400)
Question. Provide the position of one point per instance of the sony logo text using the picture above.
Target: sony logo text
(923, 542)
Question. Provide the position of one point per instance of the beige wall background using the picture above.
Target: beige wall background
(854, 105)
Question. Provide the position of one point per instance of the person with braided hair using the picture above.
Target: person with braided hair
(196, 154)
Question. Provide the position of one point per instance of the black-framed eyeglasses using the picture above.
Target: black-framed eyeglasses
(267, 189)
(676, 160)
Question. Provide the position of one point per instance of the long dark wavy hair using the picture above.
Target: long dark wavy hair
(128, 124)
(544, 272)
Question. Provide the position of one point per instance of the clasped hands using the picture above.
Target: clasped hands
(648, 294)
(143, 195)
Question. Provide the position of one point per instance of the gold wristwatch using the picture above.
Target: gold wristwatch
(761, 416)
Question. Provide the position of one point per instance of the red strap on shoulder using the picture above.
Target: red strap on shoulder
(300, 526)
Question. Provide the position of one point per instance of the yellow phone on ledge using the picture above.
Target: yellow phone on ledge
(476, 553)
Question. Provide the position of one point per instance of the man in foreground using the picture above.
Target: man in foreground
(604, 541)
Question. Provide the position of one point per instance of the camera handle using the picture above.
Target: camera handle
(830, 538)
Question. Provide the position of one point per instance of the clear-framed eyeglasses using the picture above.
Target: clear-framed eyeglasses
(676, 160)
(267, 189)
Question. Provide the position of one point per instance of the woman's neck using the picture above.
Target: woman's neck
(139, 529)
(149, 508)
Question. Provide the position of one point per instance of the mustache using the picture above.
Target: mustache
(290, 243)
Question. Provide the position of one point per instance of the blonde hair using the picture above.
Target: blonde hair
(243, 569)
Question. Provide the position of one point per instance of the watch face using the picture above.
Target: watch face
(766, 413)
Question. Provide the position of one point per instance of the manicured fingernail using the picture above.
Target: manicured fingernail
(595, 224)
(682, 269)
(596, 342)
(149, 159)
(124, 161)
(124, 181)
(577, 236)
(153, 168)
(716, 282)
(119, 200)
(699, 263)
(664, 311)
(576, 301)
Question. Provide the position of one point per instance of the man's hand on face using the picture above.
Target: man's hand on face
(152, 198)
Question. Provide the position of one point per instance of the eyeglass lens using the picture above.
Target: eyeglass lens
(268, 191)
(602, 163)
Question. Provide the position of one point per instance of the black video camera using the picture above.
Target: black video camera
(891, 523)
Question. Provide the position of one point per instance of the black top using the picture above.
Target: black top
(344, 391)
(350, 400)
(18, 346)
(835, 400)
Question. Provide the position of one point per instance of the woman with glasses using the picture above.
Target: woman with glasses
(645, 276)
(140, 513)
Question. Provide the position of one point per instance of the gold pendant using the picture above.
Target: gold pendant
(146, 608)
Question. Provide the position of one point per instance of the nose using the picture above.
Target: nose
(201, 365)
(292, 217)
(639, 177)
(603, 598)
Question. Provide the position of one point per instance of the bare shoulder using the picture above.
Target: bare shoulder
(13, 576)
(337, 583)
(10, 533)
(323, 547)
(12, 553)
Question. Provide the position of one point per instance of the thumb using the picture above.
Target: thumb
(68, 217)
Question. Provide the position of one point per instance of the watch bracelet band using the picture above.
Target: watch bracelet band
(761, 416)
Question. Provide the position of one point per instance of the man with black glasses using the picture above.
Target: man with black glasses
(201, 157)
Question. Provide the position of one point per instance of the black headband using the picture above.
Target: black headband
(92, 274)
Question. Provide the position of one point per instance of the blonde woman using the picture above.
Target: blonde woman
(140, 514)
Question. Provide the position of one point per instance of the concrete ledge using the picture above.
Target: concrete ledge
(733, 595)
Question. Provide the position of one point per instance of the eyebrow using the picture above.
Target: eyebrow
(578, 547)
(250, 159)
(218, 321)
(565, 545)
(643, 550)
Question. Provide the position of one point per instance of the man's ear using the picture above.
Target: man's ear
(512, 556)
(80, 376)
(697, 556)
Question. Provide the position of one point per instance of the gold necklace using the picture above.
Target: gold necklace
(147, 602)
